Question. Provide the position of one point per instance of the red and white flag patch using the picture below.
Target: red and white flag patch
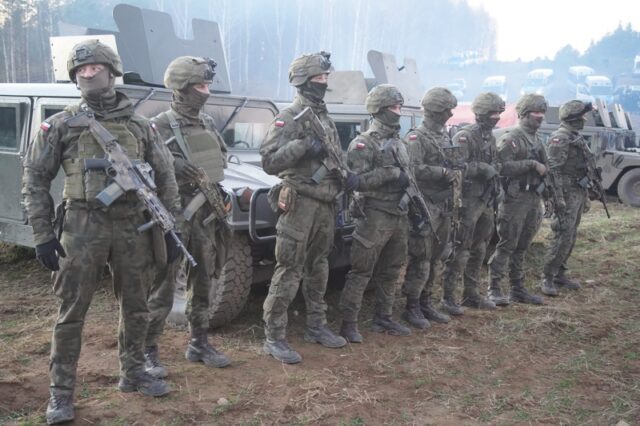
(360, 145)
(555, 140)
(462, 139)
(513, 144)
(279, 123)
(45, 126)
(413, 137)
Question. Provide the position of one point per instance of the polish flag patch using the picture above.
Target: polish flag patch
(462, 139)
(513, 144)
(413, 137)
(360, 145)
(279, 123)
(45, 126)
(555, 140)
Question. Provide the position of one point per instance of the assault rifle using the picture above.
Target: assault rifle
(207, 192)
(594, 183)
(454, 160)
(128, 177)
(334, 159)
(412, 193)
(547, 185)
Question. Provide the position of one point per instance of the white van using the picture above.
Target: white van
(595, 87)
(537, 81)
(578, 73)
(496, 84)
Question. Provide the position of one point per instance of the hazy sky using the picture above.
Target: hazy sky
(528, 29)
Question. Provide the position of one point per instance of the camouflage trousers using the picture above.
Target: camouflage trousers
(304, 239)
(206, 243)
(379, 249)
(91, 238)
(470, 245)
(426, 254)
(519, 218)
(564, 236)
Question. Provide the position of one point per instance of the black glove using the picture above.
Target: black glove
(185, 169)
(352, 182)
(47, 254)
(173, 252)
(316, 148)
(403, 180)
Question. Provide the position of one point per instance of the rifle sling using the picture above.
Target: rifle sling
(175, 128)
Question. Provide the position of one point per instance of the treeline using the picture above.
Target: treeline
(262, 36)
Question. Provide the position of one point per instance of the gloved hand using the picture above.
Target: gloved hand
(487, 171)
(541, 169)
(561, 207)
(185, 169)
(352, 182)
(47, 254)
(450, 174)
(173, 251)
(403, 180)
(316, 149)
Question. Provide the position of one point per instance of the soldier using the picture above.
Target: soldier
(380, 238)
(92, 234)
(306, 202)
(200, 157)
(569, 156)
(521, 159)
(480, 190)
(426, 146)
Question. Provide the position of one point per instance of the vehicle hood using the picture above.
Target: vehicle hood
(240, 175)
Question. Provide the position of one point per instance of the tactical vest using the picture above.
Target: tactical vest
(309, 167)
(480, 151)
(81, 184)
(435, 191)
(202, 148)
(576, 162)
(530, 151)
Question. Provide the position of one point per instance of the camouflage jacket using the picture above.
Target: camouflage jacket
(56, 142)
(285, 151)
(425, 145)
(478, 151)
(568, 154)
(377, 168)
(518, 149)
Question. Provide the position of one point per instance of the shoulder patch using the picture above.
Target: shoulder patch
(462, 139)
(279, 123)
(413, 137)
(555, 140)
(513, 144)
(45, 126)
(360, 145)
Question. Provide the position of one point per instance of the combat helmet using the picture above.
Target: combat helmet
(487, 103)
(306, 66)
(531, 102)
(93, 52)
(573, 110)
(382, 96)
(186, 70)
(439, 99)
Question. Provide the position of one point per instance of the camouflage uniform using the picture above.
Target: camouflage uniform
(520, 152)
(480, 191)
(205, 234)
(569, 156)
(305, 227)
(94, 235)
(426, 146)
(379, 245)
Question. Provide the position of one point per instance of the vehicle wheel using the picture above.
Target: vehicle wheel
(629, 188)
(228, 294)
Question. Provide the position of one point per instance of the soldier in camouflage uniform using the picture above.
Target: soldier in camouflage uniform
(92, 234)
(480, 190)
(522, 162)
(569, 156)
(198, 150)
(426, 146)
(380, 238)
(306, 202)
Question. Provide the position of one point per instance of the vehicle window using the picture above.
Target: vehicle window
(48, 111)
(347, 132)
(9, 125)
(248, 128)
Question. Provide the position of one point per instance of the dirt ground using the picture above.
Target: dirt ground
(574, 361)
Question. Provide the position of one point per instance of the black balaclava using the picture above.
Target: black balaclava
(388, 117)
(486, 122)
(313, 90)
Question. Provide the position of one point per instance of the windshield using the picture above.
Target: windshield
(247, 129)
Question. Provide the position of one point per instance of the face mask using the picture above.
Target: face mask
(189, 102)
(96, 86)
(487, 122)
(388, 117)
(532, 121)
(440, 118)
(314, 91)
(576, 124)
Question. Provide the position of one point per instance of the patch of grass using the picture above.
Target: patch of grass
(354, 421)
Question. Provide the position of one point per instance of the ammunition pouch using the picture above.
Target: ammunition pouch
(584, 182)
(354, 211)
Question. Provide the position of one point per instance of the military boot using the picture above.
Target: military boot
(472, 299)
(548, 288)
(324, 336)
(563, 282)
(385, 324)
(430, 312)
(496, 296)
(280, 350)
(521, 295)
(349, 330)
(152, 362)
(199, 350)
(144, 383)
(413, 315)
(449, 304)
(60, 408)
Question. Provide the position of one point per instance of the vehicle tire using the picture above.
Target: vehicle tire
(629, 188)
(228, 294)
